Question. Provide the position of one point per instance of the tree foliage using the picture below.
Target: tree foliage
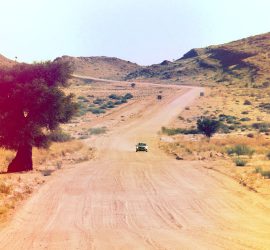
(208, 126)
(33, 104)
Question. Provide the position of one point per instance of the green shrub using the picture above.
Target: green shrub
(82, 110)
(262, 127)
(83, 99)
(240, 150)
(174, 131)
(98, 101)
(240, 162)
(115, 97)
(128, 96)
(97, 111)
(104, 106)
(228, 119)
(118, 102)
(83, 137)
(265, 106)
(223, 128)
(257, 170)
(264, 173)
(59, 136)
(124, 100)
(247, 102)
(231, 120)
(110, 104)
(232, 127)
(245, 119)
(97, 131)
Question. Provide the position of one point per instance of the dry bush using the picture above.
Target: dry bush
(12, 190)
(259, 142)
(5, 158)
(264, 173)
(47, 172)
(192, 148)
(97, 131)
(56, 155)
(240, 162)
(4, 188)
(59, 153)
(196, 146)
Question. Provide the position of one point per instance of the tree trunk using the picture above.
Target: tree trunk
(23, 160)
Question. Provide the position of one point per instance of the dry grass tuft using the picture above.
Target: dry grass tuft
(5, 188)
(5, 158)
(60, 154)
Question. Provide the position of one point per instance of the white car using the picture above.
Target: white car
(141, 147)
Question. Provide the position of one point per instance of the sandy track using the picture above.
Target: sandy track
(129, 200)
(94, 78)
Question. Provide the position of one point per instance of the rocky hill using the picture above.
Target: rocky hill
(101, 66)
(245, 62)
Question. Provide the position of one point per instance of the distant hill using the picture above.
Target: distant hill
(101, 66)
(6, 62)
(245, 62)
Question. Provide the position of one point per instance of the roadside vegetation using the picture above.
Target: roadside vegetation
(97, 131)
(240, 144)
(99, 105)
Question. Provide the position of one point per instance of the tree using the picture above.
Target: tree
(207, 126)
(32, 105)
(133, 85)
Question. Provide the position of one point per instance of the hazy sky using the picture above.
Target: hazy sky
(142, 31)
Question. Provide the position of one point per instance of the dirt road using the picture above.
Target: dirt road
(129, 200)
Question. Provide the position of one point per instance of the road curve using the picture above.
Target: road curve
(129, 200)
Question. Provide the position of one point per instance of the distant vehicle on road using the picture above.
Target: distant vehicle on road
(141, 147)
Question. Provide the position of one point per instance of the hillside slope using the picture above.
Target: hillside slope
(101, 66)
(246, 61)
(5, 61)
